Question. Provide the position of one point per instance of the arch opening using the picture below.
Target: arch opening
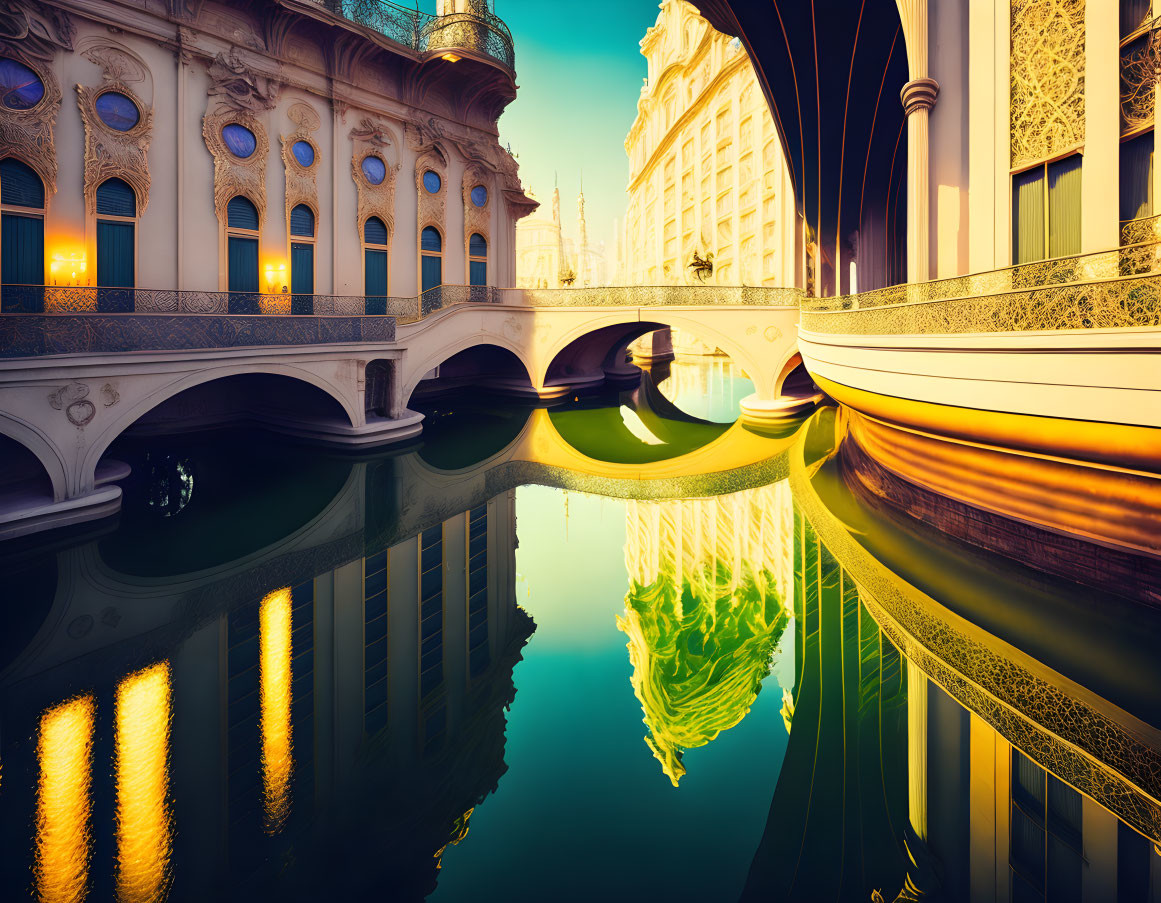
(483, 369)
(24, 481)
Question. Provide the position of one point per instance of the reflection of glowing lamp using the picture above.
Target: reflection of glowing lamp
(67, 267)
(450, 57)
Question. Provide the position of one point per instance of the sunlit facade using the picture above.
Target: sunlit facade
(548, 257)
(707, 179)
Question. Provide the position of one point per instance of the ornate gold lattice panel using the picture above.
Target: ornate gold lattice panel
(1047, 78)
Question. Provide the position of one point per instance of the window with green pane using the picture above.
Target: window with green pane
(1046, 211)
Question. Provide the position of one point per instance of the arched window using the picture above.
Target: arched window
(116, 246)
(21, 238)
(477, 260)
(242, 255)
(302, 260)
(431, 258)
(375, 265)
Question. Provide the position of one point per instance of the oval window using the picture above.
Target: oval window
(117, 111)
(479, 195)
(432, 181)
(240, 141)
(374, 169)
(20, 87)
(304, 153)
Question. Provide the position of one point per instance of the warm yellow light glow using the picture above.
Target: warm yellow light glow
(144, 823)
(274, 680)
(67, 267)
(450, 57)
(64, 751)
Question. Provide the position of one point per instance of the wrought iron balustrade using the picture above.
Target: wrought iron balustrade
(657, 296)
(73, 299)
(481, 30)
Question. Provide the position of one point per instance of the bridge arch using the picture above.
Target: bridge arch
(659, 318)
(414, 371)
(339, 396)
(44, 449)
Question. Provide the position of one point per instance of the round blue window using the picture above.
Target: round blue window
(303, 153)
(375, 170)
(479, 195)
(432, 181)
(240, 141)
(117, 111)
(20, 87)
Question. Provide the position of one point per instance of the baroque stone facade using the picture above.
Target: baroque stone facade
(181, 73)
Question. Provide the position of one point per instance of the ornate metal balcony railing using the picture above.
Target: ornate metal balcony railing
(1139, 255)
(656, 296)
(480, 30)
(56, 299)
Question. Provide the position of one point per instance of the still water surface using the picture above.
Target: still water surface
(622, 649)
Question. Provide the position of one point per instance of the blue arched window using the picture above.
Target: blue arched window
(431, 258)
(477, 259)
(21, 238)
(375, 265)
(116, 245)
(302, 260)
(242, 255)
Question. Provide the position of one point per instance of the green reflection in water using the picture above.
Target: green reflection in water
(705, 609)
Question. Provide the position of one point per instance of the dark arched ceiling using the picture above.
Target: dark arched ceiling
(832, 71)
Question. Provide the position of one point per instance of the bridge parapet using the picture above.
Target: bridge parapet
(656, 296)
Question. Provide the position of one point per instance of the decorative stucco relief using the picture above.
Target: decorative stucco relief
(301, 181)
(373, 139)
(238, 94)
(432, 205)
(1047, 78)
(110, 153)
(33, 33)
(476, 219)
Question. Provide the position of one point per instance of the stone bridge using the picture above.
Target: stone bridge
(72, 383)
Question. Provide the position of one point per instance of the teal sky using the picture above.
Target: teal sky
(579, 69)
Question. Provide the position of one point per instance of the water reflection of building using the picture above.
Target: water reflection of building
(709, 595)
(233, 731)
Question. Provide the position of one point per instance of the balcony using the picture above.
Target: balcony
(480, 31)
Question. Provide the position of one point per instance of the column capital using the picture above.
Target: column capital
(919, 94)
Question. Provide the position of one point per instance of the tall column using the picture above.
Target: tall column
(918, 97)
(1100, 171)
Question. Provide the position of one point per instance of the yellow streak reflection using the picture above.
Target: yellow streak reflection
(144, 824)
(274, 667)
(64, 751)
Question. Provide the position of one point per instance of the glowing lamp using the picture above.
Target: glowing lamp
(450, 57)
(67, 267)
(275, 276)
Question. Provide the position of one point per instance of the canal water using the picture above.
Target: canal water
(618, 649)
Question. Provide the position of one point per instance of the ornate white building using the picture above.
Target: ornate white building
(707, 178)
(271, 149)
(547, 258)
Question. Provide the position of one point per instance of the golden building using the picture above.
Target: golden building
(707, 178)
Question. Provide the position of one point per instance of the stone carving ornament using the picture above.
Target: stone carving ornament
(374, 139)
(234, 176)
(301, 181)
(32, 34)
(476, 219)
(73, 399)
(432, 205)
(110, 153)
